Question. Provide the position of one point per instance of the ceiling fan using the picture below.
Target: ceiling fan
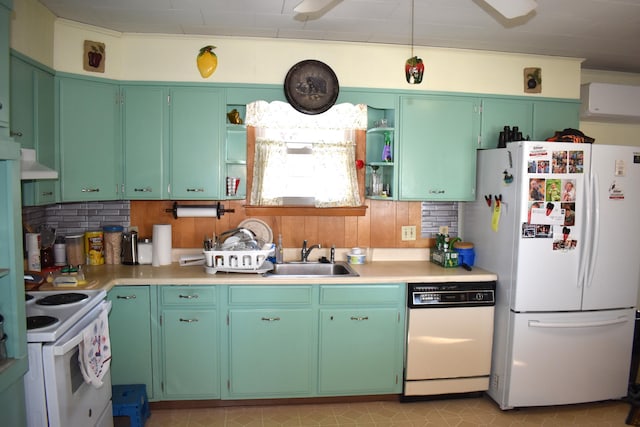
(508, 8)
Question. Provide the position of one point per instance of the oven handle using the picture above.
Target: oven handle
(59, 350)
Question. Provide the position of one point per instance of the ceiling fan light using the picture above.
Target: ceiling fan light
(512, 8)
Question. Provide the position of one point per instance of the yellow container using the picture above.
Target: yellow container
(94, 247)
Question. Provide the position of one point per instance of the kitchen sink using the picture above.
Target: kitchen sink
(311, 269)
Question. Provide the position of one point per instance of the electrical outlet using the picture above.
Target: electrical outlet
(408, 232)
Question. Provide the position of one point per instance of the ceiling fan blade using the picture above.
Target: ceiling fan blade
(512, 8)
(311, 6)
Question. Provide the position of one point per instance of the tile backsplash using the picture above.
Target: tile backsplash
(73, 218)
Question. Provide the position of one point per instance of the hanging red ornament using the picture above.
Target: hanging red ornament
(414, 70)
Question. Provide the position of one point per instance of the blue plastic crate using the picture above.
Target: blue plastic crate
(131, 401)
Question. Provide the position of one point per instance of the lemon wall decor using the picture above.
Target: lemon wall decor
(207, 61)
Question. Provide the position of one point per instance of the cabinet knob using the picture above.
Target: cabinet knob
(188, 296)
(195, 190)
(126, 297)
(188, 320)
(359, 318)
(90, 190)
(12, 133)
(47, 193)
(436, 191)
(270, 319)
(143, 190)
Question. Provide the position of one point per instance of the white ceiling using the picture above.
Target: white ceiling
(604, 32)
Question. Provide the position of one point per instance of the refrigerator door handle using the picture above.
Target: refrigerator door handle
(595, 229)
(583, 263)
(557, 325)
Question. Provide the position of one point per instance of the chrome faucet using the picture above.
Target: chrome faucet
(304, 253)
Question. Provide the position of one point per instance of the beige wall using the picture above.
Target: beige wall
(172, 58)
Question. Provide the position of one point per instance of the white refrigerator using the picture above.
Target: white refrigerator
(558, 223)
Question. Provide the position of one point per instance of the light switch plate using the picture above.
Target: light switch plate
(408, 232)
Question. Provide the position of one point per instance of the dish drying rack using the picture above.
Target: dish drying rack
(243, 261)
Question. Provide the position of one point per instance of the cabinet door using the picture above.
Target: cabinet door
(498, 113)
(437, 147)
(144, 130)
(196, 132)
(45, 191)
(360, 351)
(22, 103)
(89, 143)
(552, 116)
(191, 353)
(271, 352)
(130, 332)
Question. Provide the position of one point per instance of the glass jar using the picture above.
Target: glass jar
(112, 244)
(75, 249)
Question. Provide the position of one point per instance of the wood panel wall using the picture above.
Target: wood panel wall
(379, 228)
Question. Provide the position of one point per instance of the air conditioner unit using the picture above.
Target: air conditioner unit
(610, 102)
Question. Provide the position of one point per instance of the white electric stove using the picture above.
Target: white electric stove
(57, 393)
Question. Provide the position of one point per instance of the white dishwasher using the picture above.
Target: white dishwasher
(450, 335)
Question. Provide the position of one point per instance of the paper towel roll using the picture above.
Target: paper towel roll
(161, 249)
(196, 211)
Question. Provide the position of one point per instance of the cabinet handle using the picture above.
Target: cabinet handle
(143, 190)
(188, 320)
(12, 133)
(195, 190)
(436, 191)
(126, 297)
(188, 296)
(47, 193)
(90, 190)
(270, 319)
(359, 318)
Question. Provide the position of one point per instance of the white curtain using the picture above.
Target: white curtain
(327, 174)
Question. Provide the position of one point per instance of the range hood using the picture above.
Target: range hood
(31, 169)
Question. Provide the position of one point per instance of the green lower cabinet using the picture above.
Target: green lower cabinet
(130, 332)
(190, 354)
(271, 352)
(359, 351)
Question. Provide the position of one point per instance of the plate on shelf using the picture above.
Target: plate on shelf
(260, 228)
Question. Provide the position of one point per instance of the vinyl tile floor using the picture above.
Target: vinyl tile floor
(463, 412)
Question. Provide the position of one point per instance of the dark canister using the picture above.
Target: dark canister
(130, 248)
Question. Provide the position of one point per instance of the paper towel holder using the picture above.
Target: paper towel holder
(216, 210)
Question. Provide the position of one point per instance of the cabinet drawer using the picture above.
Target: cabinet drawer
(362, 294)
(188, 295)
(260, 295)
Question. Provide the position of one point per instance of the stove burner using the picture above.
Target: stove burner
(62, 298)
(36, 322)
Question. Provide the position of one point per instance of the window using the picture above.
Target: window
(304, 159)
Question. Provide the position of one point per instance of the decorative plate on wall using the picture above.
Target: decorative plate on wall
(311, 87)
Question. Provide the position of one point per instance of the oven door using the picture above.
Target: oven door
(70, 400)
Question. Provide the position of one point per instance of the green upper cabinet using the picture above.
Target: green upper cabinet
(197, 129)
(130, 332)
(552, 116)
(5, 19)
(437, 147)
(33, 124)
(145, 142)
(90, 151)
(537, 120)
(498, 113)
(23, 117)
